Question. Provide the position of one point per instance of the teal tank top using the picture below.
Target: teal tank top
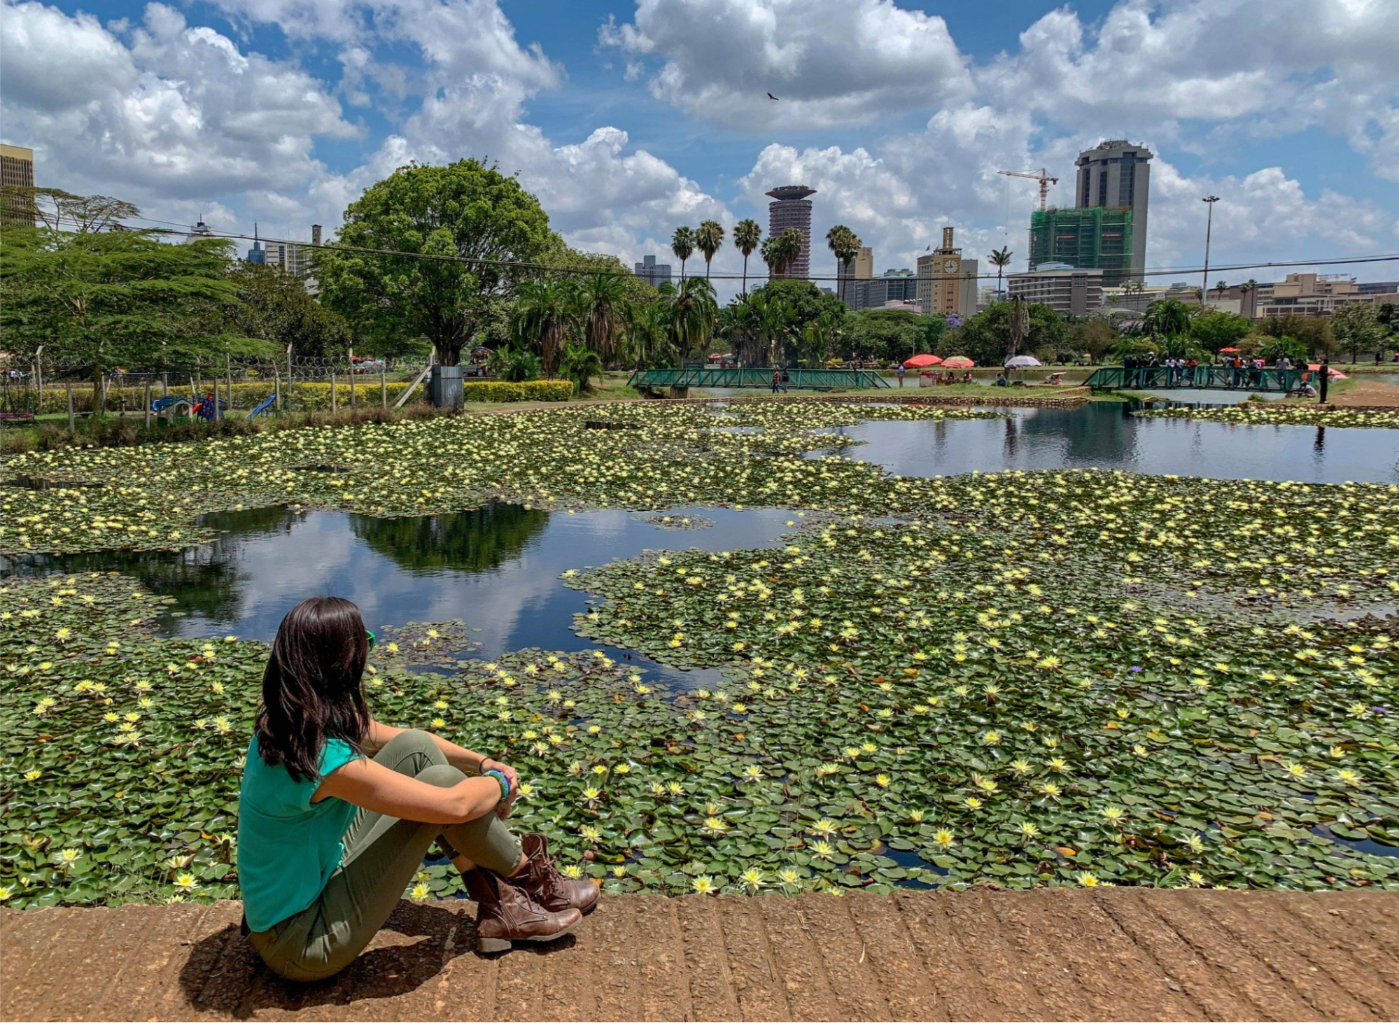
(288, 846)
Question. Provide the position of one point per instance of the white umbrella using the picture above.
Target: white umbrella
(1021, 361)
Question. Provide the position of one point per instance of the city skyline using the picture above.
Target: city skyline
(629, 121)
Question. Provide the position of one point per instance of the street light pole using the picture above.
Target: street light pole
(1209, 200)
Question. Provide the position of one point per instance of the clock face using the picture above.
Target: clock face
(949, 266)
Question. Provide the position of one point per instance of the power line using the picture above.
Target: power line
(547, 268)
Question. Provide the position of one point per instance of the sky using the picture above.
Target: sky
(628, 120)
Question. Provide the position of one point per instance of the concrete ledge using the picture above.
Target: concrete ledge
(983, 954)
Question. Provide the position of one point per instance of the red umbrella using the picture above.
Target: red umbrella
(1331, 374)
(919, 361)
(1231, 351)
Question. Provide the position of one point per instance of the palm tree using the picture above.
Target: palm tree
(580, 364)
(845, 246)
(1166, 317)
(708, 239)
(820, 334)
(779, 252)
(693, 311)
(747, 236)
(682, 243)
(540, 319)
(648, 331)
(1000, 259)
(1221, 287)
(602, 309)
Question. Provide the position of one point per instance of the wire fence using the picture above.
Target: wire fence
(295, 384)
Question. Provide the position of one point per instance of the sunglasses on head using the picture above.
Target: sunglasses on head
(370, 636)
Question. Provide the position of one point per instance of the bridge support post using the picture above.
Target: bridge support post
(678, 392)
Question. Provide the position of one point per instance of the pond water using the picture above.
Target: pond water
(496, 568)
(1105, 435)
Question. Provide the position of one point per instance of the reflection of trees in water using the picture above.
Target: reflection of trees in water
(1099, 433)
(471, 541)
(204, 580)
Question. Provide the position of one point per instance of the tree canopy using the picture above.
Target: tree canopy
(986, 336)
(274, 306)
(96, 301)
(479, 223)
(1214, 329)
(889, 335)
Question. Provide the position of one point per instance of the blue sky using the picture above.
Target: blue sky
(629, 119)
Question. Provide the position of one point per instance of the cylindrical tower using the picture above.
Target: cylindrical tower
(792, 208)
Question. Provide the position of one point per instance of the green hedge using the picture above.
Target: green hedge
(312, 396)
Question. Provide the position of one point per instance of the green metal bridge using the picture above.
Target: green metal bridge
(1207, 378)
(755, 377)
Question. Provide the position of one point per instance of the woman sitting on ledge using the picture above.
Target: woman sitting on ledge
(338, 811)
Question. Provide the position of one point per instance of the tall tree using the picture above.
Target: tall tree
(95, 301)
(781, 251)
(1357, 326)
(1017, 325)
(845, 246)
(819, 337)
(463, 229)
(693, 311)
(682, 243)
(1000, 259)
(708, 239)
(58, 210)
(747, 237)
(1166, 317)
(649, 340)
(543, 310)
(603, 307)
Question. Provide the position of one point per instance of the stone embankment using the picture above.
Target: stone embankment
(1100, 954)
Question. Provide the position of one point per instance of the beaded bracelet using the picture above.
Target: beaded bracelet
(504, 782)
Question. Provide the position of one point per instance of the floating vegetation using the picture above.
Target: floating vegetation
(1047, 678)
(1258, 413)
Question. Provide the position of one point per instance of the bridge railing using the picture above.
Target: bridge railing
(755, 377)
(1214, 378)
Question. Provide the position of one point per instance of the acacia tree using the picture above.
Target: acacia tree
(101, 300)
(58, 210)
(464, 230)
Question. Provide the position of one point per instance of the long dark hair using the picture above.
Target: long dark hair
(311, 688)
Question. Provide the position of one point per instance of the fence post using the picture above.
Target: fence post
(276, 387)
(334, 394)
(351, 357)
(228, 375)
(72, 425)
(148, 403)
(39, 378)
(165, 384)
(384, 386)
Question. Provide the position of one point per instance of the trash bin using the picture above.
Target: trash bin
(444, 387)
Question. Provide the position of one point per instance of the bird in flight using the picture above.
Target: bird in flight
(771, 96)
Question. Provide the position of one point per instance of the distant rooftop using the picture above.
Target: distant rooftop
(792, 192)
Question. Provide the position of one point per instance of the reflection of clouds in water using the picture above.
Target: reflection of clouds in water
(521, 603)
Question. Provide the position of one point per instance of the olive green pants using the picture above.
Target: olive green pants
(381, 856)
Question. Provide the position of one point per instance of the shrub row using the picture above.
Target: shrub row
(313, 397)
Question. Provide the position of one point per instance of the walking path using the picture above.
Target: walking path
(1130, 954)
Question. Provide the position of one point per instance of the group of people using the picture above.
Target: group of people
(1239, 370)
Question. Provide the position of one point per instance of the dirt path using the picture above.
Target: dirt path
(1366, 393)
(1130, 954)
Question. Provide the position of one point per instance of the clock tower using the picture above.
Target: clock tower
(947, 283)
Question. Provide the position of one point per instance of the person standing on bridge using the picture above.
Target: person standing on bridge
(338, 810)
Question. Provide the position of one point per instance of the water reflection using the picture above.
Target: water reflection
(1106, 435)
(497, 568)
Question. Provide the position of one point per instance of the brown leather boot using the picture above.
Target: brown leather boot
(547, 886)
(507, 914)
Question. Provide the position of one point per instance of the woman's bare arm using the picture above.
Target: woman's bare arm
(375, 787)
(459, 757)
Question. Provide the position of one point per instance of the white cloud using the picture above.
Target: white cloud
(829, 62)
(175, 113)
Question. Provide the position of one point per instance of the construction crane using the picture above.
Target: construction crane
(1042, 177)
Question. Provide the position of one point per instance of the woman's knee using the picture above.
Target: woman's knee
(412, 745)
(444, 776)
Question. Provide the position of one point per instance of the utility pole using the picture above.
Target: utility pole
(1209, 200)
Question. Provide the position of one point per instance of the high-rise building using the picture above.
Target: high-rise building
(861, 268)
(17, 169)
(199, 231)
(792, 208)
(878, 292)
(947, 282)
(655, 274)
(1065, 289)
(293, 258)
(1117, 175)
(1090, 239)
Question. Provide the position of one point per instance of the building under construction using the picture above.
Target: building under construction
(1096, 238)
